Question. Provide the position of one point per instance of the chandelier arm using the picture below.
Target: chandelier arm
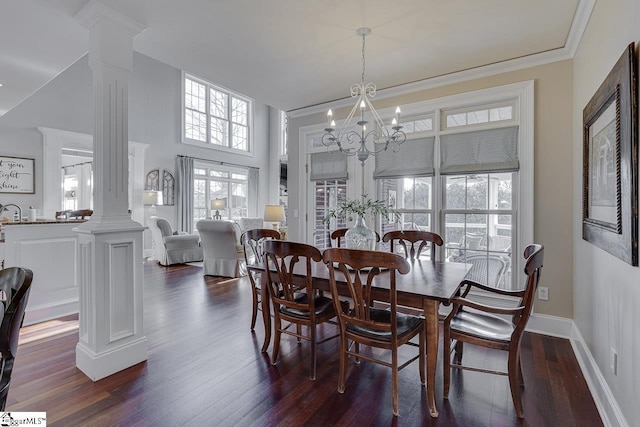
(377, 119)
(385, 144)
(347, 122)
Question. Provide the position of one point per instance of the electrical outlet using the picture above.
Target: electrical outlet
(613, 361)
(543, 293)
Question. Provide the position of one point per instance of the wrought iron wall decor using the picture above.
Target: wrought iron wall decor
(153, 180)
(168, 188)
(167, 185)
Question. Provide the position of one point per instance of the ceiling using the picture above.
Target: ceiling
(293, 54)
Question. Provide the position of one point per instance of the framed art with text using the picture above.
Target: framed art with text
(610, 163)
(17, 175)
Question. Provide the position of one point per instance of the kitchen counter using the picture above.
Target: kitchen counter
(50, 249)
(46, 221)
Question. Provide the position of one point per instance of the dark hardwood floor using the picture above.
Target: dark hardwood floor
(205, 368)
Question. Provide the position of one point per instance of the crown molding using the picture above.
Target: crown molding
(578, 26)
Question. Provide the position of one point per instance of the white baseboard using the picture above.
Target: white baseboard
(606, 403)
(550, 325)
(51, 311)
(566, 328)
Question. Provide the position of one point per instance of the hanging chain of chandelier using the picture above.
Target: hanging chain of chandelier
(380, 137)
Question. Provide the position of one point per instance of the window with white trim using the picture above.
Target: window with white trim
(216, 116)
(212, 182)
(478, 165)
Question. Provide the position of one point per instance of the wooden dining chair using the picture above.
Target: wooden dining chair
(61, 214)
(481, 324)
(296, 303)
(408, 239)
(365, 324)
(80, 214)
(252, 242)
(15, 284)
(338, 235)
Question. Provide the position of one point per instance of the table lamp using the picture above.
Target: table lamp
(274, 214)
(152, 198)
(218, 204)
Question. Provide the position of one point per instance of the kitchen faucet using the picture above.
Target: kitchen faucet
(4, 208)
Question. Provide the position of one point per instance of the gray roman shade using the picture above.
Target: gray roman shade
(492, 150)
(328, 165)
(415, 158)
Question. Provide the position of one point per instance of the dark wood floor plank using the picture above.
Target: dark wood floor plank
(205, 368)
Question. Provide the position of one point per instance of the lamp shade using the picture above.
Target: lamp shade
(152, 197)
(218, 204)
(274, 213)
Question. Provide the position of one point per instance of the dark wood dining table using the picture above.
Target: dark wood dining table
(425, 287)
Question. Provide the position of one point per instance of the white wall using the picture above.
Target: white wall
(66, 103)
(606, 290)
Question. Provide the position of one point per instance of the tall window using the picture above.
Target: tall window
(212, 182)
(478, 219)
(216, 116)
(478, 164)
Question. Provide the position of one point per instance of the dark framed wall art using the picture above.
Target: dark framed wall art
(610, 163)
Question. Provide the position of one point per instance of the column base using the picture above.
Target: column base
(98, 366)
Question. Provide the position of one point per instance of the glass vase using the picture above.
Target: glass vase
(360, 236)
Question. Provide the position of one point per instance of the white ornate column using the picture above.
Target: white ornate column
(110, 244)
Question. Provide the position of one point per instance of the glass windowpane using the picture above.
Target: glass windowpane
(422, 125)
(501, 113)
(219, 129)
(455, 195)
(195, 125)
(480, 116)
(454, 120)
(219, 102)
(239, 111)
(239, 140)
(477, 193)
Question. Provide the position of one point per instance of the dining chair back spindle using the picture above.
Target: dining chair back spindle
(253, 245)
(484, 325)
(366, 324)
(295, 302)
(409, 239)
(339, 233)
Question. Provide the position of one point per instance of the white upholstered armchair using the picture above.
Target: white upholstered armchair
(173, 248)
(247, 224)
(223, 254)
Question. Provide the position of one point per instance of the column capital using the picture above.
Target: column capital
(96, 12)
(110, 35)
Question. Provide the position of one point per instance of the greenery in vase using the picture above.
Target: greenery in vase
(360, 207)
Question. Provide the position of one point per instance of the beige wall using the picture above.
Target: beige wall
(553, 167)
(607, 290)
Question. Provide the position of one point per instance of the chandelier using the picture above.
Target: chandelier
(379, 138)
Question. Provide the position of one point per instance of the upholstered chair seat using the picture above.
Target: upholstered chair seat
(481, 325)
(406, 325)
